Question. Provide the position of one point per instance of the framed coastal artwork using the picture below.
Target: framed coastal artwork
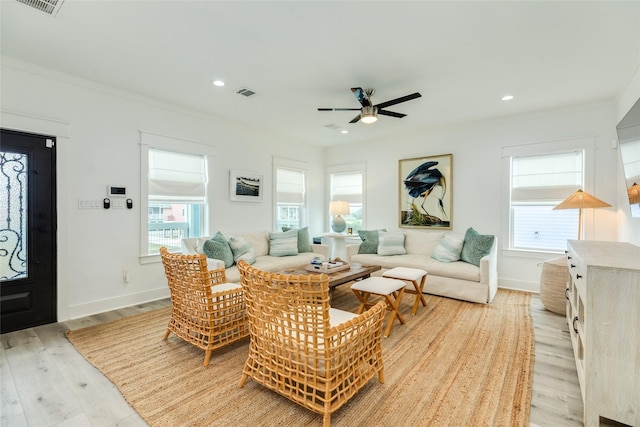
(426, 192)
(245, 186)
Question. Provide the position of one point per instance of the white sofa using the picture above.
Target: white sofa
(458, 279)
(259, 242)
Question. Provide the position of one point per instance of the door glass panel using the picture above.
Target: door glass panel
(13, 216)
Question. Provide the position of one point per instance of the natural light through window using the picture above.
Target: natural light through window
(538, 184)
(290, 198)
(347, 186)
(177, 193)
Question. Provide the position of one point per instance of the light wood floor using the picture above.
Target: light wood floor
(46, 382)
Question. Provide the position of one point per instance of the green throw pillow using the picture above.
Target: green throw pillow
(448, 250)
(391, 243)
(475, 246)
(369, 243)
(218, 248)
(283, 244)
(304, 242)
(241, 250)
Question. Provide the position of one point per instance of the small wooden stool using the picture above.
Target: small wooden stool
(390, 289)
(412, 275)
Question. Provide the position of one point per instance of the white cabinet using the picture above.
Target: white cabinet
(603, 312)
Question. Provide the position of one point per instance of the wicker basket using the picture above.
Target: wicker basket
(553, 283)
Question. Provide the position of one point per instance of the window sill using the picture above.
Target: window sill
(531, 254)
(150, 259)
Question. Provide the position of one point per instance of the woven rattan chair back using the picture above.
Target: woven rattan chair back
(297, 352)
(205, 310)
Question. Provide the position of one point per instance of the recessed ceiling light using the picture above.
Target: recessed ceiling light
(507, 97)
(344, 131)
(218, 83)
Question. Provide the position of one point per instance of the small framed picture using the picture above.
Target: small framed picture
(245, 186)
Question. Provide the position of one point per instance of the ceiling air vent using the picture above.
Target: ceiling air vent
(50, 7)
(332, 126)
(246, 92)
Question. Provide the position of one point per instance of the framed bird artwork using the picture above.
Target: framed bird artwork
(426, 192)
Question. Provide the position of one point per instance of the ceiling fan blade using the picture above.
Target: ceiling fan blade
(361, 96)
(338, 109)
(356, 119)
(398, 100)
(391, 113)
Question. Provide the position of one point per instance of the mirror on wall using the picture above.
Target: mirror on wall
(629, 140)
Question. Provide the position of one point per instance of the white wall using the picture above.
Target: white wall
(99, 146)
(477, 178)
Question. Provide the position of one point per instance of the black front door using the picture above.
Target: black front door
(27, 230)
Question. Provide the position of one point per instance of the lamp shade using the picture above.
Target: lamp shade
(582, 200)
(634, 194)
(339, 207)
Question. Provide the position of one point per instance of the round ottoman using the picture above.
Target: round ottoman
(553, 283)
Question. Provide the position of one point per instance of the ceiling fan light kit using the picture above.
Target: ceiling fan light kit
(369, 115)
(368, 111)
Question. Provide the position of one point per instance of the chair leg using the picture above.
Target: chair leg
(381, 376)
(326, 420)
(207, 358)
(243, 380)
(166, 334)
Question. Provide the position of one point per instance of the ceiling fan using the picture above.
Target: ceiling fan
(369, 112)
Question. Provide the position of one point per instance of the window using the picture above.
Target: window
(176, 197)
(346, 183)
(538, 184)
(290, 198)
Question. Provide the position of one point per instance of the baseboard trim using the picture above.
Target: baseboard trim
(108, 304)
(519, 285)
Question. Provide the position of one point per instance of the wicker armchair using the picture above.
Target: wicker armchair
(205, 310)
(315, 355)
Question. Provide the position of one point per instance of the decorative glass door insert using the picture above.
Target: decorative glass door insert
(13, 216)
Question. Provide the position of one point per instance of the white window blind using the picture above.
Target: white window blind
(347, 187)
(177, 177)
(290, 186)
(546, 178)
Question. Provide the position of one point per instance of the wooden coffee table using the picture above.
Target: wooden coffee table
(339, 277)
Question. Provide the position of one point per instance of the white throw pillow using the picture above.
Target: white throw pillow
(448, 250)
(241, 250)
(283, 244)
(391, 243)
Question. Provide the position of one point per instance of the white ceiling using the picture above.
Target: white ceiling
(301, 55)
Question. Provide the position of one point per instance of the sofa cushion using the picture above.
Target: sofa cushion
(283, 243)
(258, 241)
(304, 242)
(391, 243)
(448, 250)
(369, 243)
(456, 270)
(218, 248)
(475, 246)
(273, 264)
(422, 242)
(241, 249)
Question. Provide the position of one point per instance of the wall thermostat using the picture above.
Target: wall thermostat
(113, 191)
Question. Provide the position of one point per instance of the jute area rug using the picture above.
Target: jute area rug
(453, 364)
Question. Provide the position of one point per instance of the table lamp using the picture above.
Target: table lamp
(581, 200)
(338, 208)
